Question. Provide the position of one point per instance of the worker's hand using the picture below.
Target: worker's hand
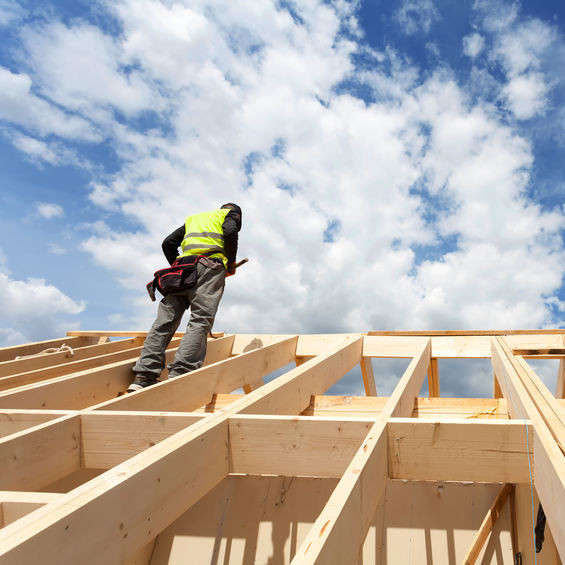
(231, 270)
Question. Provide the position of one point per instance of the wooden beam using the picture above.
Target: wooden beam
(419, 450)
(176, 472)
(17, 504)
(294, 446)
(243, 343)
(190, 391)
(402, 401)
(92, 386)
(340, 529)
(405, 346)
(120, 511)
(468, 408)
(75, 391)
(300, 359)
(543, 400)
(549, 461)
(97, 333)
(110, 438)
(368, 376)
(487, 524)
(497, 391)
(291, 392)
(14, 421)
(433, 379)
(315, 344)
(560, 388)
(68, 368)
(37, 457)
(10, 353)
(253, 384)
(8, 368)
(370, 407)
(459, 450)
(468, 333)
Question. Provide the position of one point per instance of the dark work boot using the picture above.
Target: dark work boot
(141, 381)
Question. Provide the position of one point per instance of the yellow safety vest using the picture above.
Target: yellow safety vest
(204, 235)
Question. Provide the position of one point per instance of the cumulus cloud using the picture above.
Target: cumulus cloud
(33, 310)
(416, 15)
(405, 211)
(302, 160)
(473, 44)
(40, 152)
(94, 78)
(19, 105)
(10, 11)
(56, 249)
(526, 95)
(520, 47)
(49, 210)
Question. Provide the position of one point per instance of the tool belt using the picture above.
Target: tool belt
(181, 275)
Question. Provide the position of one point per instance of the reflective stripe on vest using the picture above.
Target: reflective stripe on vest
(204, 235)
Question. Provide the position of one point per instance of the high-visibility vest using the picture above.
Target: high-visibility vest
(204, 235)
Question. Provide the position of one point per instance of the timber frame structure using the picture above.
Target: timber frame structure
(190, 471)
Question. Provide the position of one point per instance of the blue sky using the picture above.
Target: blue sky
(399, 164)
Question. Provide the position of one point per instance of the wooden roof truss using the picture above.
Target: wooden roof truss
(159, 451)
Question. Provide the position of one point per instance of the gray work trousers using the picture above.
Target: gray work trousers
(203, 300)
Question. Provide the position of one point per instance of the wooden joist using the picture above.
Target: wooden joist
(177, 440)
(10, 353)
(16, 366)
(548, 467)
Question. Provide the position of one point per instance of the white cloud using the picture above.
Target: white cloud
(49, 210)
(342, 161)
(416, 15)
(93, 79)
(473, 44)
(526, 95)
(33, 310)
(521, 47)
(41, 152)
(56, 249)
(249, 95)
(10, 11)
(20, 106)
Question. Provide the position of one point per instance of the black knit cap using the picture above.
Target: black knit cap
(232, 206)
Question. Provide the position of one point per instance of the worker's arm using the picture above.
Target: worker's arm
(231, 227)
(172, 243)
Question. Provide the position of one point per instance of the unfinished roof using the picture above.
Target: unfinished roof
(191, 471)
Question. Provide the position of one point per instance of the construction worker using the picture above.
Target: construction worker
(208, 241)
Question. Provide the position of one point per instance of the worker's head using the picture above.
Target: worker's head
(236, 209)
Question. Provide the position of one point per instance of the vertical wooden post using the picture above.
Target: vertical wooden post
(368, 376)
(560, 389)
(433, 378)
(497, 392)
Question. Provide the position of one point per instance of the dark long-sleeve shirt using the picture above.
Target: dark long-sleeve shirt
(231, 227)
